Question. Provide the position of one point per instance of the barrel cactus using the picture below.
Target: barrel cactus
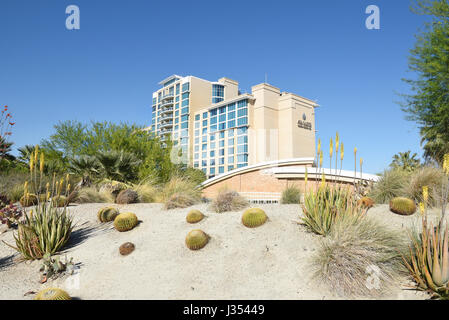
(196, 239)
(366, 202)
(107, 214)
(52, 294)
(127, 196)
(402, 206)
(29, 200)
(254, 217)
(194, 216)
(125, 221)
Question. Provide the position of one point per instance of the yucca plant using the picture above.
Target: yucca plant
(324, 207)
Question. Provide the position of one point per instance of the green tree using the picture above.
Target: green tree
(405, 161)
(429, 103)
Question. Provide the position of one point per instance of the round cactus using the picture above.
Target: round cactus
(402, 206)
(28, 201)
(127, 196)
(194, 216)
(42, 198)
(52, 294)
(196, 239)
(125, 221)
(366, 202)
(126, 248)
(254, 217)
(107, 214)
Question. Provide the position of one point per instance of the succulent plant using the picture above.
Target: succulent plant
(196, 239)
(52, 268)
(107, 214)
(366, 202)
(127, 196)
(125, 221)
(52, 294)
(402, 206)
(254, 217)
(126, 248)
(10, 215)
(194, 216)
(29, 200)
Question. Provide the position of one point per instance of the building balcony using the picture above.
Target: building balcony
(166, 110)
(167, 103)
(167, 124)
(168, 96)
(166, 131)
(166, 117)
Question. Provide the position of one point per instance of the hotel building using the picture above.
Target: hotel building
(218, 129)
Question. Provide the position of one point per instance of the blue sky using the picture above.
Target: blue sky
(109, 68)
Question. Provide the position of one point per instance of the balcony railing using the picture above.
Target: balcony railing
(168, 95)
(167, 103)
(166, 110)
(166, 124)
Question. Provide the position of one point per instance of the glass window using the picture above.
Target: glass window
(212, 145)
(242, 149)
(221, 152)
(212, 154)
(197, 140)
(231, 107)
(223, 109)
(213, 112)
(222, 135)
(177, 88)
(184, 125)
(197, 133)
(217, 100)
(204, 155)
(197, 156)
(204, 146)
(231, 159)
(213, 128)
(231, 150)
(185, 103)
(242, 121)
(204, 123)
(204, 131)
(221, 169)
(222, 143)
(177, 99)
(231, 124)
(212, 162)
(230, 168)
(204, 163)
(185, 95)
(213, 120)
(231, 115)
(185, 110)
(222, 126)
(176, 120)
(197, 117)
(204, 139)
(242, 139)
(242, 112)
(212, 137)
(242, 103)
(196, 164)
(185, 86)
(212, 170)
(185, 118)
(242, 158)
(197, 148)
(204, 115)
(176, 113)
(222, 118)
(197, 125)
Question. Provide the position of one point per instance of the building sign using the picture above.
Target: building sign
(304, 124)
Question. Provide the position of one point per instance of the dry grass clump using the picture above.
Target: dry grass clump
(426, 176)
(179, 193)
(361, 258)
(291, 195)
(390, 185)
(92, 195)
(147, 192)
(228, 200)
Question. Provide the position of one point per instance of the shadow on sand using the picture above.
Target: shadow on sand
(83, 233)
(7, 261)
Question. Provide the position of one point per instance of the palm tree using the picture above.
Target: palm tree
(25, 153)
(405, 161)
(85, 166)
(5, 149)
(120, 166)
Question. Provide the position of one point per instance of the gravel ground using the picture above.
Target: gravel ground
(269, 262)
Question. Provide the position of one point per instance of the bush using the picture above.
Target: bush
(147, 192)
(391, 184)
(327, 206)
(366, 202)
(92, 195)
(402, 206)
(352, 251)
(16, 192)
(127, 196)
(427, 176)
(291, 195)
(179, 193)
(228, 200)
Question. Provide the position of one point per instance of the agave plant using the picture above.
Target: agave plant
(428, 259)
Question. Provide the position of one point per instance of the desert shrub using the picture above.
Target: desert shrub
(366, 202)
(402, 206)
(92, 195)
(291, 195)
(16, 192)
(113, 187)
(179, 191)
(391, 184)
(426, 176)
(127, 196)
(228, 200)
(328, 205)
(352, 251)
(4, 201)
(11, 181)
(147, 192)
(45, 231)
(194, 175)
(428, 259)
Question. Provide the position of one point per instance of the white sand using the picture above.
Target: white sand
(269, 262)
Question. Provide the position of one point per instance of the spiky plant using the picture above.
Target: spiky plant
(254, 217)
(327, 205)
(44, 232)
(59, 201)
(107, 214)
(194, 216)
(125, 221)
(196, 239)
(428, 259)
(291, 195)
(52, 294)
(402, 206)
